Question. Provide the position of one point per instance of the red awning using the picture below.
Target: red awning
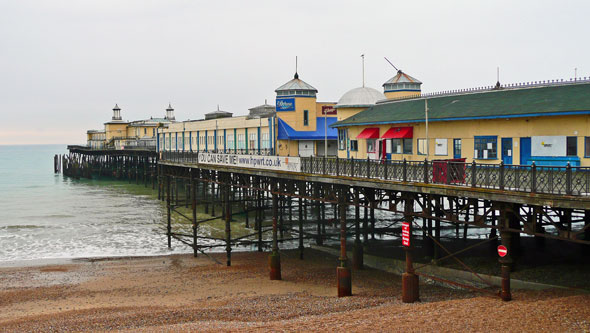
(399, 133)
(369, 133)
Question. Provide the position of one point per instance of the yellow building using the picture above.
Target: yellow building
(219, 132)
(303, 124)
(119, 134)
(548, 124)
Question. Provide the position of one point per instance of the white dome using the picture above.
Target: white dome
(360, 97)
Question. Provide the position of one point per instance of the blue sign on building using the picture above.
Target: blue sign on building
(286, 104)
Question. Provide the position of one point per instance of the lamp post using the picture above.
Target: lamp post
(325, 133)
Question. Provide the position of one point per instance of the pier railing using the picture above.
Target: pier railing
(564, 180)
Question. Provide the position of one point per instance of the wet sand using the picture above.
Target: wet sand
(181, 293)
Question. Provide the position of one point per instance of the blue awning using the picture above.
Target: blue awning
(286, 132)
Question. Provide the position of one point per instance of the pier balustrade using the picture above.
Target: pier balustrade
(560, 180)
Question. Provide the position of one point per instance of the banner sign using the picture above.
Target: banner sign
(328, 110)
(285, 104)
(548, 145)
(405, 234)
(277, 163)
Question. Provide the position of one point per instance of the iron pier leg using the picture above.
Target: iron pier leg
(357, 250)
(343, 271)
(194, 208)
(505, 261)
(410, 287)
(300, 220)
(169, 220)
(227, 210)
(274, 259)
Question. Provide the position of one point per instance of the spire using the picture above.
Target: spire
(296, 76)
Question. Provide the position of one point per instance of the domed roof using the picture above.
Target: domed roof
(402, 77)
(296, 84)
(360, 97)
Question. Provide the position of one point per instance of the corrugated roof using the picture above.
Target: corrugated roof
(548, 100)
(296, 84)
(402, 77)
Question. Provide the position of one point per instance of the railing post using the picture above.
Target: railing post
(405, 170)
(385, 167)
(502, 175)
(351, 167)
(368, 168)
(449, 166)
(426, 171)
(568, 179)
(324, 165)
(337, 166)
(473, 174)
(533, 178)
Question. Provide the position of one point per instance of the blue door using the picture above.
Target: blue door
(456, 148)
(507, 151)
(525, 151)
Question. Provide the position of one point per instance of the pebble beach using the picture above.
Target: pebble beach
(180, 293)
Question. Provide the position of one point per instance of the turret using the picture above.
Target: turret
(402, 85)
(170, 113)
(117, 113)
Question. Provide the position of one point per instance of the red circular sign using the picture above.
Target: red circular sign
(502, 251)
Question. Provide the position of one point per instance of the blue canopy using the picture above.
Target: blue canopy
(286, 132)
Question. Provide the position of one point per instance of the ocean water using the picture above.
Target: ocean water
(48, 216)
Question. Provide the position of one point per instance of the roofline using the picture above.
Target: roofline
(353, 106)
(524, 115)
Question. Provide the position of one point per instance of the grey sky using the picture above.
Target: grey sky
(64, 64)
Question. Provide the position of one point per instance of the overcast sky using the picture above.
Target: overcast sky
(64, 64)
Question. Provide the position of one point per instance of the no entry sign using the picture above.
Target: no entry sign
(502, 251)
(405, 234)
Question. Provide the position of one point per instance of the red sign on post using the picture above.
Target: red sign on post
(405, 234)
(502, 251)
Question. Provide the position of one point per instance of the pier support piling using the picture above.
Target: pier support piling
(343, 271)
(274, 259)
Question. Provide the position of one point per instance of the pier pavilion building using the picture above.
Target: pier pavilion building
(547, 123)
(220, 132)
(120, 134)
(303, 123)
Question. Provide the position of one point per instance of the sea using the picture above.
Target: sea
(46, 216)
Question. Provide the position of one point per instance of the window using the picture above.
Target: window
(572, 146)
(341, 139)
(145, 131)
(422, 147)
(305, 118)
(407, 143)
(241, 141)
(457, 148)
(220, 144)
(265, 141)
(485, 147)
(440, 147)
(396, 146)
(354, 145)
(370, 145)
(230, 141)
(252, 143)
(587, 146)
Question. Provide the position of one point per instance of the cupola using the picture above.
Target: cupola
(170, 113)
(117, 113)
(402, 85)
